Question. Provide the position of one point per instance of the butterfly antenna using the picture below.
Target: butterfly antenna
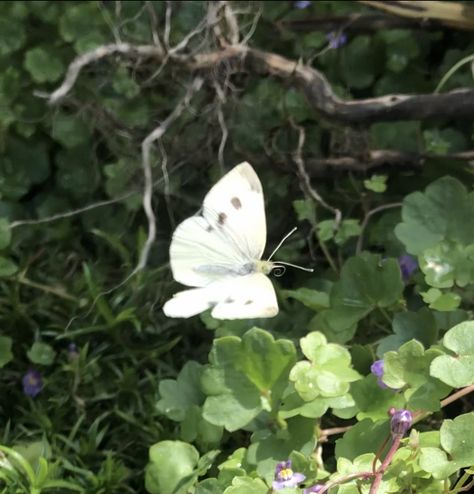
(278, 265)
(281, 242)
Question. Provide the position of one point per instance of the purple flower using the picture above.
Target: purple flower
(401, 421)
(285, 477)
(408, 265)
(377, 370)
(73, 352)
(314, 488)
(336, 40)
(302, 4)
(32, 383)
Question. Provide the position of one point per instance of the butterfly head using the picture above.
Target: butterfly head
(264, 267)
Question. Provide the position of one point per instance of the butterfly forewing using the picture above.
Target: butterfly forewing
(200, 255)
(235, 207)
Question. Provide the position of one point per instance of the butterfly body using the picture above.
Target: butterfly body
(219, 252)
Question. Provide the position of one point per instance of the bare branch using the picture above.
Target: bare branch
(454, 104)
(147, 144)
(325, 103)
(378, 158)
(92, 56)
(305, 177)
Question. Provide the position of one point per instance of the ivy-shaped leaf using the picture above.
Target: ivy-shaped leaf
(247, 375)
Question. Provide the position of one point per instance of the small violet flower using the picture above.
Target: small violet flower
(408, 265)
(314, 488)
(401, 421)
(377, 370)
(72, 351)
(336, 40)
(32, 383)
(302, 4)
(285, 477)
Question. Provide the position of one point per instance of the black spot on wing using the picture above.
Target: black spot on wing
(221, 218)
(235, 201)
(229, 300)
(209, 228)
(248, 302)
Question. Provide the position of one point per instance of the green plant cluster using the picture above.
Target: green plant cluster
(99, 391)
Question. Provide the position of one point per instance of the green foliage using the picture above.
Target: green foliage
(131, 400)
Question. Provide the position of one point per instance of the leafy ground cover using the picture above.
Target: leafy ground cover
(115, 119)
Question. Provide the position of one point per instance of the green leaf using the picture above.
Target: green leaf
(447, 264)
(441, 301)
(346, 230)
(305, 210)
(364, 437)
(297, 435)
(7, 267)
(6, 354)
(247, 375)
(5, 233)
(457, 370)
(25, 163)
(440, 213)
(12, 35)
(43, 65)
(41, 353)
(408, 325)
(365, 284)
(70, 130)
(171, 468)
(358, 67)
(195, 428)
(247, 485)
(177, 396)
(373, 401)
(328, 371)
(313, 299)
(376, 183)
(402, 136)
(409, 368)
(457, 441)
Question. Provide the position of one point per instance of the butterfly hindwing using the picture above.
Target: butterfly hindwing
(242, 297)
(248, 297)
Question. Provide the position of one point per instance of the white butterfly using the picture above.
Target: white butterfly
(219, 252)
